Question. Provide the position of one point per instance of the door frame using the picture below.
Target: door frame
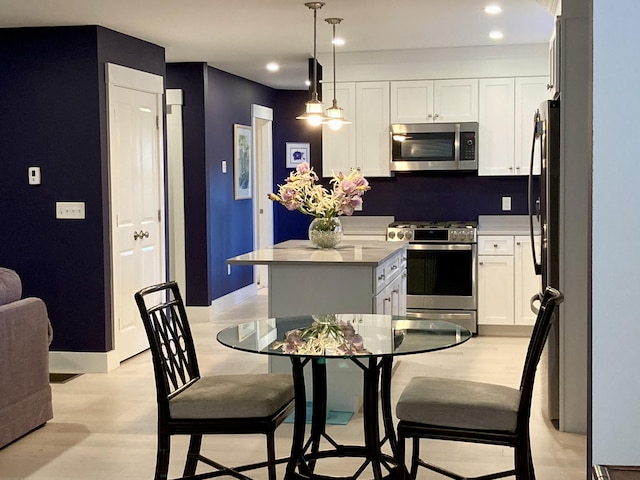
(129, 78)
(261, 119)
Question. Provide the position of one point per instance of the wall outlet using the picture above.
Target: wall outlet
(70, 210)
(506, 204)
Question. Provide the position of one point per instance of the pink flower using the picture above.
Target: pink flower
(348, 187)
(303, 168)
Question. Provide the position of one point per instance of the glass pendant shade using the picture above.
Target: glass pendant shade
(335, 116)
(313, 113)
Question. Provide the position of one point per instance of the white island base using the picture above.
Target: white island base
(355, 277)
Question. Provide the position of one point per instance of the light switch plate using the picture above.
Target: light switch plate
(506, 204)
(70, 210)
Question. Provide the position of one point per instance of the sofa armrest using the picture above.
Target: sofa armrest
(24, 349)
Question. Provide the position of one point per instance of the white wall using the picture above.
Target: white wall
(435, 63)
(615, 437)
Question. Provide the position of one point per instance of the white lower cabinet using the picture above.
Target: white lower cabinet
(506, 280)
(391, 296)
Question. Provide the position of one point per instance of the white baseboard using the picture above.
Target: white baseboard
(83, 362)
(207, 314)
(103, 362)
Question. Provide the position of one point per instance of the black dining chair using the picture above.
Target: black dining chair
(466, 411)
(189, 404)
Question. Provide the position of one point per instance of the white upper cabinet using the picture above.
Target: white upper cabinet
(530, 93)
(339, 147)
(507, 108)
(429, 101)
(496, 127)
(372, 129)
(364, 144)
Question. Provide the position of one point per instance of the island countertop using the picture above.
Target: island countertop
(361, 252)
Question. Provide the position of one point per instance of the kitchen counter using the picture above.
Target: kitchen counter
(361, 252)
(506, 225)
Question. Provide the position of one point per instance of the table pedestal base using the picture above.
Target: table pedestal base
(304, 455)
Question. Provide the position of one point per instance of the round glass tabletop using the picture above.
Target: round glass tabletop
(343, 335)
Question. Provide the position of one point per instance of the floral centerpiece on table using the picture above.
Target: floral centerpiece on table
(337, 337)
(301, 191)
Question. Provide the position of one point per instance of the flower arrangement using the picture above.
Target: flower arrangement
(302, 192)
(336, 337)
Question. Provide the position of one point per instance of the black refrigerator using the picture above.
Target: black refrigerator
(545, 209)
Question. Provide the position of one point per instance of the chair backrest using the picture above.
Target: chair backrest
(549, 302)
(172, 349)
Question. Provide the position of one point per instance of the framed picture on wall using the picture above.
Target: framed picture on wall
(242, 162)
(297, 153)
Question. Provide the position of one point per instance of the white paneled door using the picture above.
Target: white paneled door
(136, 177)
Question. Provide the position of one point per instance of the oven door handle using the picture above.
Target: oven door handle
(438, 246)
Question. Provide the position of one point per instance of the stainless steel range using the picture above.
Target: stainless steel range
(441, 270)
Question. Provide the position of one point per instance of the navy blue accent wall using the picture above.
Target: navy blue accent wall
(52, 115)
(292, 225)
(220, 226)
(190, 77)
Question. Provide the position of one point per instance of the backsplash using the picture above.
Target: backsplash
(444, 196)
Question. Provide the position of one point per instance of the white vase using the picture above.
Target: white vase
(325, 232)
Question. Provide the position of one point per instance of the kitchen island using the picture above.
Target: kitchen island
(358, 276)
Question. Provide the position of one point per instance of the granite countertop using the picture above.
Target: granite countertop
(361, 252)
(506, 225)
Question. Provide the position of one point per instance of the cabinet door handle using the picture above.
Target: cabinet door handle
(480, 263)
(381, 277)
(518, 243)
(495, 245)
(394, 267)
(436, 115)
(549, 86)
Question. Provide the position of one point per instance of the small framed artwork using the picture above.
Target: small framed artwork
(297, 153)
(242, 162)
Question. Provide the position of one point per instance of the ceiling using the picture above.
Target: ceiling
(242, 36)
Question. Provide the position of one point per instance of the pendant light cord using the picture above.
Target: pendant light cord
(333, 43)
(315, 58)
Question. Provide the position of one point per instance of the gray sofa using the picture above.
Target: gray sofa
(25, 335)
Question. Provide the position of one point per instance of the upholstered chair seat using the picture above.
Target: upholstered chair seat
(459, 404)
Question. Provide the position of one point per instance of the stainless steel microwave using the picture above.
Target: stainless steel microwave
(434, 146)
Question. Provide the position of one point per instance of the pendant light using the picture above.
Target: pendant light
(313, 108)
(335, 114)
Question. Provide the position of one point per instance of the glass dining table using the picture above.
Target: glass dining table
(371, 342)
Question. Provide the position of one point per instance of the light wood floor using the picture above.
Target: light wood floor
(104, 424)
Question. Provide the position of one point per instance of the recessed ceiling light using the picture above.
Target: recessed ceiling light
(496, 35)
(492, 9)
(273, 67)
(338, 42)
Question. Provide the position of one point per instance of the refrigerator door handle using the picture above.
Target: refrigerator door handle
(536, 298)
(537, 133)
